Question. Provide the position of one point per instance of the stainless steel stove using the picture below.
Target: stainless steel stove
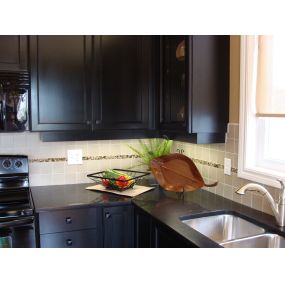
(17, 227)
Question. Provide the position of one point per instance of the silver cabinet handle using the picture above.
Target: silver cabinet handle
(68, 220)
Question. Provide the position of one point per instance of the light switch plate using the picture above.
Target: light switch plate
(228, 166)
(74, 156)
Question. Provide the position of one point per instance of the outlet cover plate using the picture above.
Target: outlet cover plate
(74, 156)
(227, 166)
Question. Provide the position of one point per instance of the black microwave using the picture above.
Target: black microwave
(14, 90)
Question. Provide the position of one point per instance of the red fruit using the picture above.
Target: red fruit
(122, 182)
(105, 182)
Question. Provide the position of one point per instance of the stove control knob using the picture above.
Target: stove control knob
(7, 163)
(18, 163)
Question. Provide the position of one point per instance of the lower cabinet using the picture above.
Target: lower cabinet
(87, 227)
(70, 228)
(150, 233)
(118, 225)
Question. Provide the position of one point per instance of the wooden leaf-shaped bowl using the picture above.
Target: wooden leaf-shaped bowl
(177, 173)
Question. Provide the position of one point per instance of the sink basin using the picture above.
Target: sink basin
(261, 241)
(223, 227)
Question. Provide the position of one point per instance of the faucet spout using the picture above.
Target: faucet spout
(278, 207)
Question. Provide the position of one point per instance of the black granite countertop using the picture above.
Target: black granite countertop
(60, 197)
(169, 208)
(166, 207)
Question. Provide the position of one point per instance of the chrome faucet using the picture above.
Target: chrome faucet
(278, 207)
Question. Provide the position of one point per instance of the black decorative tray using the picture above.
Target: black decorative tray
(121, 183)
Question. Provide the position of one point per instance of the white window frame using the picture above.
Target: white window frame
(247, 127)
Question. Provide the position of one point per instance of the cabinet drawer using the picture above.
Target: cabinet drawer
(83, 238)
(67, 220)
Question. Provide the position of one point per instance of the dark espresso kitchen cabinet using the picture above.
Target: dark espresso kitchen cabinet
(60, 90)
(123, 85)
(194, 88)
(70, 228)
(118, 224)
(13, 53)
(150, 233)
(123, 72)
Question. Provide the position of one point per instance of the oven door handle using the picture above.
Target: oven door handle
(18, 222)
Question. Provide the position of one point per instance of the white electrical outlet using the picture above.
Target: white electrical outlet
(228, 166)
(74, 156)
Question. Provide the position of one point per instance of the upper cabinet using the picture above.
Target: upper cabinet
(13, 53)
(108, 87)
(60, 88)
(92, 84)
(122, 82)
(194, 88)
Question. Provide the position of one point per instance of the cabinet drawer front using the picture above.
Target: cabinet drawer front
(67, 220)
(75, 239)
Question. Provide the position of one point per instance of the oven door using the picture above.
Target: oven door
(17, 233)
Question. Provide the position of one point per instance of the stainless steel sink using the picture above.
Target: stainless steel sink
(224, 227)
(261, 241)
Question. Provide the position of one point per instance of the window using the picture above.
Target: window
(262, 109)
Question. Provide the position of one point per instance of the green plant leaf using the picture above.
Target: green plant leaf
(152, 148)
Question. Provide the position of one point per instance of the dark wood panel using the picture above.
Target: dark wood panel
(121, 99)
(143, 227)
(118, 227)
(13, 53)
(98, 135)
(210, 84)
(60, 97)
(74, 239)
(67, 220)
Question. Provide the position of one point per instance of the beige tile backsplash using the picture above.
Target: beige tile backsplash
(215, 154)
(208, 158)
(59, 172)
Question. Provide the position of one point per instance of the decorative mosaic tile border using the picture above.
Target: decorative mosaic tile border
(212, 164)
(99, 157)
(124, 156)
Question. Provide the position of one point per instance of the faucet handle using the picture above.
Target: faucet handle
(281, 183)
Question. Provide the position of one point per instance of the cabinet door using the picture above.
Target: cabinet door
(60, 93)
(143, 230)
(174, 95)
(13, 53)
(122, 97)
(166, 238)
(119, 227)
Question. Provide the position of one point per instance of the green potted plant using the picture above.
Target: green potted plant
(151, 149)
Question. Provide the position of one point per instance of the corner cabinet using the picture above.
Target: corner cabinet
(13, 53)
(60, 90)
(151, 233)
(194, 84)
